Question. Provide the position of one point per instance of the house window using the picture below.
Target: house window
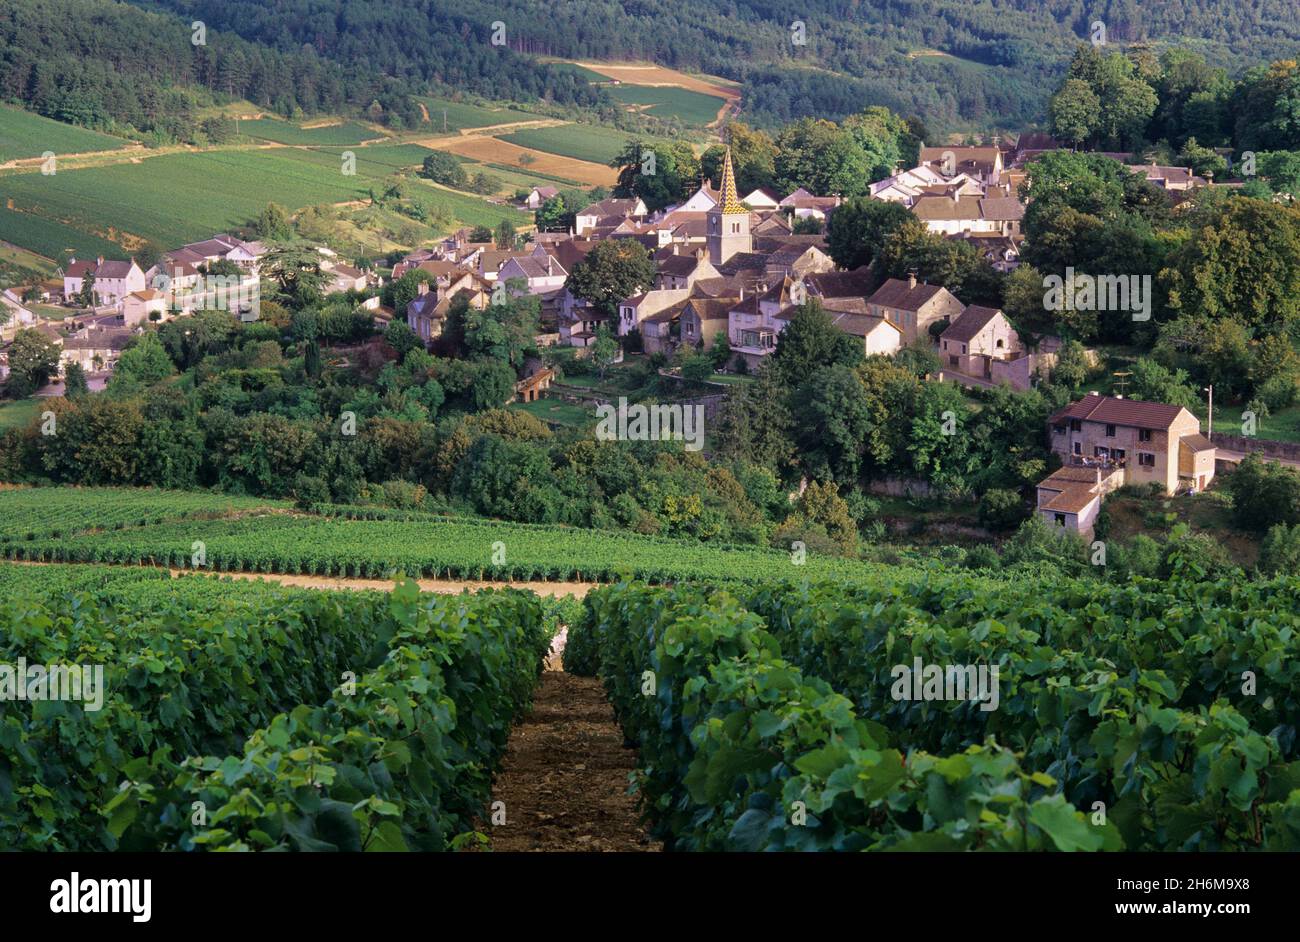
(1118, 454)
(945, 345)
(1078, 449)
(1060, 520)
(1000, 344)
(1110, 431)
(1101, 451)
(1076, 425)
(1146, 460)
(690, 328)
(963, 348)
(1144, 434)
(952, 361)
(1058, 429)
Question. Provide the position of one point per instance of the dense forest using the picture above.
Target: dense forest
(113, 67)
(957, 65)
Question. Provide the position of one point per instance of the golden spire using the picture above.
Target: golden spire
(730, 202)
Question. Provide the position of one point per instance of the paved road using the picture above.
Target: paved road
(1227, 455)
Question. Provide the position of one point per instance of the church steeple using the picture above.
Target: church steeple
(728, 230)
(730, 201)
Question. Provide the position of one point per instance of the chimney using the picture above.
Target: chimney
(100, 260)
(422, 288)
(911, 279)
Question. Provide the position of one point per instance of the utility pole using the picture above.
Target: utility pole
(1209, 431)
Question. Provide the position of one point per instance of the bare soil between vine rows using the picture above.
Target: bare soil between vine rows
(565, 776)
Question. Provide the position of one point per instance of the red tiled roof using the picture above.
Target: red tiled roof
(1114, 411)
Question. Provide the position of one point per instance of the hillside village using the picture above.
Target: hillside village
(485, 428)
(731, 271)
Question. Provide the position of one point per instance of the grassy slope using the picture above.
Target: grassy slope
(581, 142)
(283, 132)
(690, 107)
(177, 198)
(23, 134)
(18, 414)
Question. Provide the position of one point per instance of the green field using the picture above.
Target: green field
(557, 411)
(18, 414)
(580, 141)
(689, 107)
(23, 134)
(581, 71)
(239, 538)
(53, 239)
(282, 132)
(464, 116)
(178, 198)
(21, 267)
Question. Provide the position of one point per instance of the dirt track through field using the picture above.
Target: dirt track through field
(565, 775)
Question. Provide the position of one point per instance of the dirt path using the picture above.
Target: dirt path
(564, 778)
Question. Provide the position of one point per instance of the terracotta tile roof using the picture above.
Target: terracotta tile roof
(1073, 500)
(1115, 411)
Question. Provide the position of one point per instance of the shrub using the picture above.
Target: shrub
(1001, 509)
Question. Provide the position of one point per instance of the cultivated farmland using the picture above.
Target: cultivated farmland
(23, 134)
(491, 150)
(177, 198)
(688, 107)
(463, 116)
(282, 132)
(581, 142)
